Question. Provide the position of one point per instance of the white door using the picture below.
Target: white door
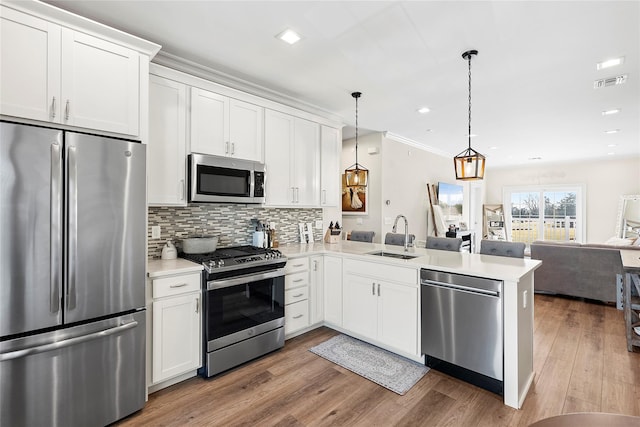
(278, 140)
(209, 123)
(306, 163)
(246, 133)
(176, 336)
(329, 166)
(332, 271)
(360, 305)
(29, 66)
(100, 84)
(398, 316)
(166, 147)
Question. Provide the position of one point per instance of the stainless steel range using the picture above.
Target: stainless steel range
(243, 289)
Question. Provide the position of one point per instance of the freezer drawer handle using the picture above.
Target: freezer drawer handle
(66, 343)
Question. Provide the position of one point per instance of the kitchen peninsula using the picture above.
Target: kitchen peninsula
(345, 264)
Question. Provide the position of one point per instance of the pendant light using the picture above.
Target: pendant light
(469, 164)
(356, 175)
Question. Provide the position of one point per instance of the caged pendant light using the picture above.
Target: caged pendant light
(469, 164)
(356, 175)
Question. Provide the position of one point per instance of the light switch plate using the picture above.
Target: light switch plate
(155, 231)
(359, 221)
(319, 224)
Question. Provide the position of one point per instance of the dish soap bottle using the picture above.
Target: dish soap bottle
(169, 251)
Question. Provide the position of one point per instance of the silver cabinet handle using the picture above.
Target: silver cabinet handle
(233, 148)
(373, 288)
(67, 109)
(297, 195)
(55, 220)
(53, 108)
(324, 196)
(315, 265)
(298, 265)
(298, 280)
(298, 316)
(293, 194)
(298, 295)
(198, 305)
(378, 289)
(226, 147)
(72, 209)
(66, 343)
(179, 285)
(182, 189)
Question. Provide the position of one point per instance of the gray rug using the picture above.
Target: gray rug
(387, 369)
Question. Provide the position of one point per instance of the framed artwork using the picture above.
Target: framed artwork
(354, 199)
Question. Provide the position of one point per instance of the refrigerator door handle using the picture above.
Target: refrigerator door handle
(72, 209)
(55, 220)
(17, 354)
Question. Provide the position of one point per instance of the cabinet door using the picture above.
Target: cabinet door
(246, 131)
(306, 163)
(278, 140)
(29, 66)
(208, 124)
(329, 166)
(166, 148)
(316, 290)
(100, 84)
(398, 316)
(176, 336)
(332, 271)
(360, 305)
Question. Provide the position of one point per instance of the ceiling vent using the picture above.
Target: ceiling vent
(610, 81)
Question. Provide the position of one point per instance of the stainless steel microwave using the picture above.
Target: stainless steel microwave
(216, 179)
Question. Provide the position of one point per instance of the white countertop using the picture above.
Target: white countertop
(163, 267)
(489, 266)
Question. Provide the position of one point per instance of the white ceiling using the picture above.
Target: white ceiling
(532, 81)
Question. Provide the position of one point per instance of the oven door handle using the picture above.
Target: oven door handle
(241, 280)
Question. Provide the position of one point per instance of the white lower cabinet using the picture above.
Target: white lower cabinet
(332, 272)
(296, 295)
(176, 331)
(381, 303)
(316, 289)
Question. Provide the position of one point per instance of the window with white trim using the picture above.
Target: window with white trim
(554, 213)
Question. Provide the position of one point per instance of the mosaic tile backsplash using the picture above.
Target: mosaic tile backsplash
(231, 223)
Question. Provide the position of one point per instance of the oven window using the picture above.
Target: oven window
(244, 306)
(219, 181)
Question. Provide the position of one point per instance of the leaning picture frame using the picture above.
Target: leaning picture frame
(354, 199)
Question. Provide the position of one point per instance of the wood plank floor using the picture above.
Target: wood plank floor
(581, 364)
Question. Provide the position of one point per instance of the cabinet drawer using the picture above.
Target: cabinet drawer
(296, 265)
(297, 294)
(176, 285)
(296, 316)
(296, 280)
(382, 271)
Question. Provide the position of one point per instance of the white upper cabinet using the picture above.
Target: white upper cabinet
(60, 75)
(225, 126)
(166, 148)
(29, 66)
(330, 144)
(292, 158)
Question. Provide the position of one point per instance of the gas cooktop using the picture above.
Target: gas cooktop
(237, 258)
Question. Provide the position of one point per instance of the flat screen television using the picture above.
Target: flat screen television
(450, 198)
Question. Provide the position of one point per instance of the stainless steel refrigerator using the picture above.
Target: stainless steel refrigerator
(72, 271)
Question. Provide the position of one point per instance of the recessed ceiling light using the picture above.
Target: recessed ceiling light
(429, 130)
(610, 112)
(610, 63)
(423, 110)
(289, 36)
(611, 131)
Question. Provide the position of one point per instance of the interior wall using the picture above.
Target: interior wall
(605, 181)
(370, 221)
(406, 170)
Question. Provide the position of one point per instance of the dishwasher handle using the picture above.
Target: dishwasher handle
(460, 288)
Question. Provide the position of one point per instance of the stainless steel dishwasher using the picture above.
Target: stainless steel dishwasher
(462, 327)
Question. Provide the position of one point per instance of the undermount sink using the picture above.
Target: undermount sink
(393, 255)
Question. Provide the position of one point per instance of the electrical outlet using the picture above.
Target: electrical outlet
(388, 221)
(319, 224)
(155, 231)
(359, 221)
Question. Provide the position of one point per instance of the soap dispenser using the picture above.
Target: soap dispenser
(169, 251)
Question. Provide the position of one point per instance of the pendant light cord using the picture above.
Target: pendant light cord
(469, 101)
(356, 133)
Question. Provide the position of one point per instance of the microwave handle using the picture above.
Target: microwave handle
(252, 183)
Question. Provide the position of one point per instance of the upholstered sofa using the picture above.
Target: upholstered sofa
(579, 270)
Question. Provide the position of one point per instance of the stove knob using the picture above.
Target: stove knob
(212, 264)
(221, 263)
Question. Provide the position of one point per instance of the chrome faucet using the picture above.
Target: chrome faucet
(406, 230)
